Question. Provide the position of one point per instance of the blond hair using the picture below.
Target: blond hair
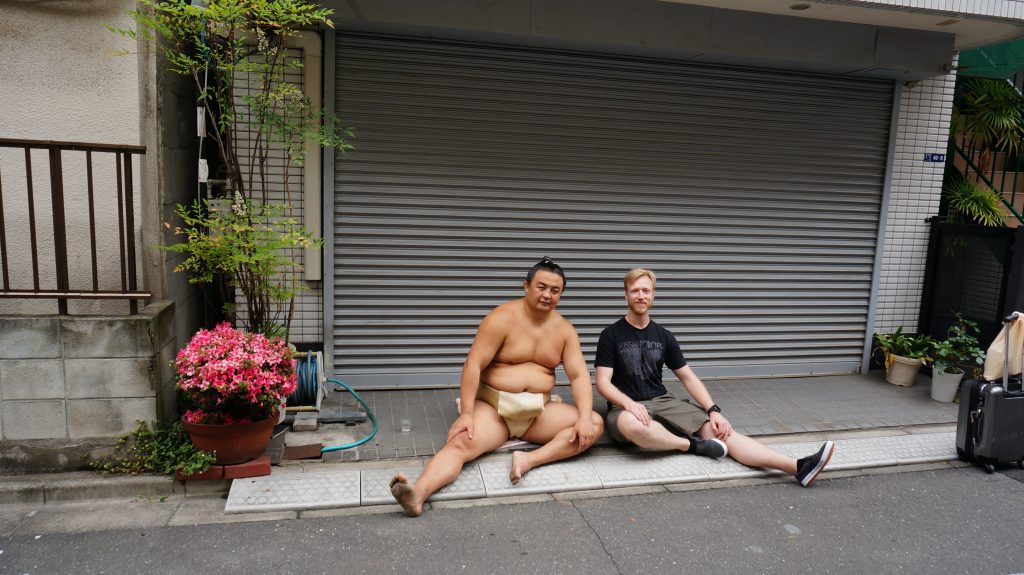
(637, 273)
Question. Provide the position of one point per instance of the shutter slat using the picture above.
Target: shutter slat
(754, 194)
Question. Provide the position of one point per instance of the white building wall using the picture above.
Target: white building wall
(994, 8)
(64, 76)
(916, 185)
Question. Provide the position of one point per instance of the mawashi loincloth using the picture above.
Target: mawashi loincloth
(517, 409)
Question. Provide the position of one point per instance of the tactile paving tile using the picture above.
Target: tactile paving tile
(849, 453)
(925, 447)
(728, 468)
(572, 475)
(294, 492)
(883, 451)
(645, 469)
(376, 485)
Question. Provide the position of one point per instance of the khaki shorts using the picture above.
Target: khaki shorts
(679, 416)
(519, 410)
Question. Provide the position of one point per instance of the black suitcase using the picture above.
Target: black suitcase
(990, 425)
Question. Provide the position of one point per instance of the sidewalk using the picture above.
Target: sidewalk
(757, 407)
(876, 426)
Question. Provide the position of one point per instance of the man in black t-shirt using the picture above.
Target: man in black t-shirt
(631, 354)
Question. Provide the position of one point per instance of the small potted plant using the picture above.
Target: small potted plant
(233, 384)
(904, 355)
(959, 350)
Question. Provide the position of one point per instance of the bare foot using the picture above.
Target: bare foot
(518, 469)
(401, 489)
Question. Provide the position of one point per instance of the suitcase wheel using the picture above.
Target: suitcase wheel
(961, 455)
(1020, 464)
(989, 468)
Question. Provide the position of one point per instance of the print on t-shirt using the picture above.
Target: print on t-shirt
(642, 358)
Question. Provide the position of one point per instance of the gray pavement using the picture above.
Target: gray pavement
(862, 412)
(758, 407)
(916, 519)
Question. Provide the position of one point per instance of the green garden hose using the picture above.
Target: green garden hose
(369, 412)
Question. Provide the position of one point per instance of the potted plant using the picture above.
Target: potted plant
(233, 384)
(959, 349)
(904, 355)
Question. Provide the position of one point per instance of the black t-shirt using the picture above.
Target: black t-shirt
(637, 357)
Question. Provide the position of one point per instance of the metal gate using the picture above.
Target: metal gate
(754, 194)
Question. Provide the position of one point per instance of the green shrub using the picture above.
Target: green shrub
(160, 449)
(960, 346)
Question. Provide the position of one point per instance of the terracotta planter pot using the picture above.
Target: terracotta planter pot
(902, 371)
(233, 443)
(944, 385)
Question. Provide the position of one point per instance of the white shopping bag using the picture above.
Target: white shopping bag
(995, 357)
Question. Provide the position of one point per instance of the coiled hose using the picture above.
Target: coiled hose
(307, 385)
(307, 371)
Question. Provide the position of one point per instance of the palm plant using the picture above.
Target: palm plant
(970, 203)
(990, 116)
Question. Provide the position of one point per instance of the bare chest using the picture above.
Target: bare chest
(524, 344)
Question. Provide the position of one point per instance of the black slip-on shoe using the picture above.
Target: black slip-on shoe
(714, 448)
(809, 467)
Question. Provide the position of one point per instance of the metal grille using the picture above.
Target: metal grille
(753, 193)
(307, 323)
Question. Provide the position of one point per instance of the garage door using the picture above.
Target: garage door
(754, 194)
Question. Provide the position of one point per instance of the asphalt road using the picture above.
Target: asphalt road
(941, 521)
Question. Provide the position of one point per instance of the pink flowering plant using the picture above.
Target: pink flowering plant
(229, 375)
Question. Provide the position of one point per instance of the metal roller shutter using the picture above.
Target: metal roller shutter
(754, 194)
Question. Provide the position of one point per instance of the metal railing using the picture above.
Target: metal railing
(53, 270)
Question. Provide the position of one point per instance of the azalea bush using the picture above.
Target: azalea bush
(232, 376)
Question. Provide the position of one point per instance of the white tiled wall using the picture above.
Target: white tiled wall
(995, 8)
(922, 127)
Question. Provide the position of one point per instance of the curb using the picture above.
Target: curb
(87, 486)
(82, 486)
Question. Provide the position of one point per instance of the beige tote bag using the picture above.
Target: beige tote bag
(996, 354)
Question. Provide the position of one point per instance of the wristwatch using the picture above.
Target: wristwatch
(713, 408)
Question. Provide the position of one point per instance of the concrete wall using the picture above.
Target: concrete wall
(167, 123)
(69, 385)
(662, 29)
(63, 76)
